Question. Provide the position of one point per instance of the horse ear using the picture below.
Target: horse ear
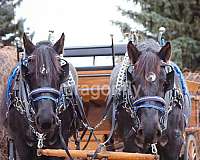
(165, 52)
(133, 52)
(28, 45)
(59, 45)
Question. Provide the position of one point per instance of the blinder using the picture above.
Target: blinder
(24, 67)
(65, 70)
(130, 73)
(169, 85)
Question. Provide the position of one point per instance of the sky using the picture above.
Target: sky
(84, 22)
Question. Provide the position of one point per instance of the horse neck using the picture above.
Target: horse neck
(176, 117)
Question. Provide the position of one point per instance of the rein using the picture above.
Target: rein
(113, 125)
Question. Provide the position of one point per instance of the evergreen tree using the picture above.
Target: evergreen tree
(9, 29)
(181, 18)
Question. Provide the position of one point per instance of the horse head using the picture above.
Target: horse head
(44, 74)
(149, 79)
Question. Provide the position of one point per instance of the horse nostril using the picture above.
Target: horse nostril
(140, 132)
(158, 133)
(46, 125)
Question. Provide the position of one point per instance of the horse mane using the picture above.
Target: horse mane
(148, 60)
(44, 54)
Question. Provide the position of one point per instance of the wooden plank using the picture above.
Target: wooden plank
(99, 93)
(103, 154)
(192, 129)
(194, 87)
(194, 119)
(94, 87)
(101, 132)
(94, 72)
(94, 82)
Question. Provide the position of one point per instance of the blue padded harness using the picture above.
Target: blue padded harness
(181, 78)
(161, 109)
(45, 97)
(162, 42)
(137, 104)
(33, 95)
(10, 82)
(11, 78)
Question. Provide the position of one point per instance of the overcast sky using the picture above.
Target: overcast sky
(84, 22)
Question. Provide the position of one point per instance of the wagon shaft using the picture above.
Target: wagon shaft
(104, 154)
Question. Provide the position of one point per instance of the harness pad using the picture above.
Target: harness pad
(10, 83)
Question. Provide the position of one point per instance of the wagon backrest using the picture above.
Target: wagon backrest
(95, 76)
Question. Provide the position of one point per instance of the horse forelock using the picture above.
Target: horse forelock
(148, 60)
(45, 55)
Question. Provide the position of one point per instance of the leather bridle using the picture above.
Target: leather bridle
(153, 102)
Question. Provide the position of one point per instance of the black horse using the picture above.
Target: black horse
(41, 104)
(145, 121)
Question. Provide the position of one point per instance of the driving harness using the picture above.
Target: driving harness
(131, 105)
(22, 99)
